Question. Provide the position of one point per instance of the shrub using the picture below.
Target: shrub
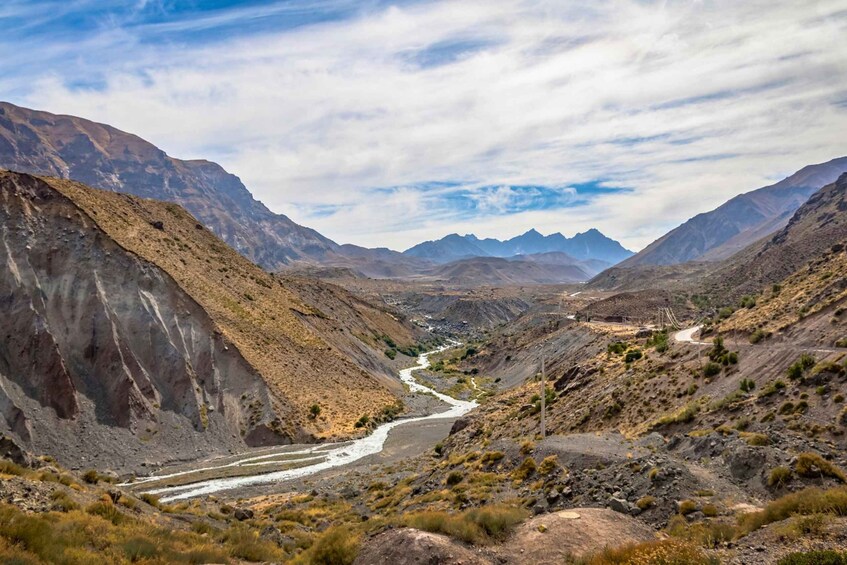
(10, 468)
(659, 340)
(748, 302)
(548, 465)
(796, 370)
(391, 354)
(314, 411)
(477, 526)
(664, 552)
(616, 348)
(91, 477)
(747, 385)
(363, 421)
(632, 355)
(454, 478)
(150, 499)
(807, 501)
(247, 545)
(710, 510)
(139, 548)
(491, 457)
(755, 439)
(779, 477)
(758, 336)
(813, 465)
(711, 369)
(687, 507)
(525, 469)
(439, 449)
(645, 502)
(62, 502)
(336, 546)
(107, 511)
(828, 367)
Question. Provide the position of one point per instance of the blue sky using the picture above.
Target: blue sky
(387, 123)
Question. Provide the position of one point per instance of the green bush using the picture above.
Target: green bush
(711, 369)
(454, 478)
(758, 336)
(632, 355)
(617, 348)
(747, 385)
(391, 354)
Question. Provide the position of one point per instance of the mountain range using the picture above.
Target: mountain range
(104, 157)
(590, 245)
(740, 221)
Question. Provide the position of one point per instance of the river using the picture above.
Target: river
(325, 456)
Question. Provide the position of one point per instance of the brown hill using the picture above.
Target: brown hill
(132, 333)
(549, 268)
(739, 222)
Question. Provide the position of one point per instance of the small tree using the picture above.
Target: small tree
(314, 411)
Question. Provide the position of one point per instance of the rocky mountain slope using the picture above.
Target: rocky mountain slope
(104, 157)
(739, 222)
(133, 334)
(590, 245)
(814, 229)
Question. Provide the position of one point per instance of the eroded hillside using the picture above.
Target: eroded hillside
(134, 334)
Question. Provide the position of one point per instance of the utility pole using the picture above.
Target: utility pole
(543, 399)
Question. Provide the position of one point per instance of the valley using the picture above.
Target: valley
(170, 395)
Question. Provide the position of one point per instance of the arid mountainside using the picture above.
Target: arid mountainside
(104, 157)
(133, 334)
(739, 222)
(814, 229)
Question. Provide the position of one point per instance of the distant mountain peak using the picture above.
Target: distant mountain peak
(591, 245)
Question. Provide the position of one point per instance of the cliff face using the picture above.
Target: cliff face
(107, 158)
(132, 334)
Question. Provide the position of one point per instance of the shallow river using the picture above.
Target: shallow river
(321, 456)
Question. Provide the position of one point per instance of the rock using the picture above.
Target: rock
(460, 425)
(619, 505)
(743, 461)
(158, 224)
(242, 514)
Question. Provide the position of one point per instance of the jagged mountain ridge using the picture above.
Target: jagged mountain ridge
(739, 222)
(133, 333)
(590, 245)
(104, 157)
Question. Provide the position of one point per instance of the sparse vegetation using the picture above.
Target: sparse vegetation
(813, 465)
(475, 526)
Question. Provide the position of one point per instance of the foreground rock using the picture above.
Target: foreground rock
(408, 546)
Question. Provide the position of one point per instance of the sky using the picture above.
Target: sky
(389, 123)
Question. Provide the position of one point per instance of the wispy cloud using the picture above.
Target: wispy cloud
(385, 124)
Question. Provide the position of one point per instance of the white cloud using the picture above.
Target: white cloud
(686, 102)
